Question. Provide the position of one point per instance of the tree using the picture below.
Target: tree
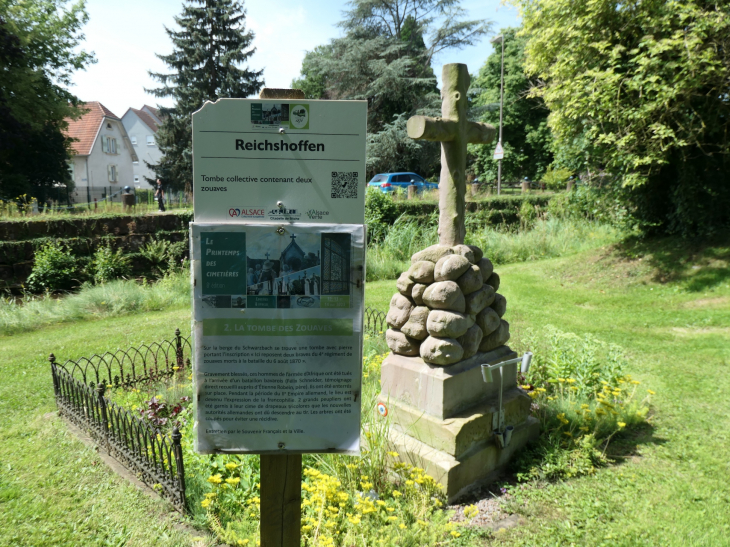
(39, 51)
(385, 58)
(641, 90)
(208, 50)
(525, 135)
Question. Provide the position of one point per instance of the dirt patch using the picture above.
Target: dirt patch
(719, 302)
(694, 331)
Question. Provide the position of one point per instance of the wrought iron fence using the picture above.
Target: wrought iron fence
(374, 321)
(80, 388)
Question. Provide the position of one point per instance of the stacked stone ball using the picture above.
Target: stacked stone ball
(447, 307)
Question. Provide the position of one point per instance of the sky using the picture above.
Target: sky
(126, 35)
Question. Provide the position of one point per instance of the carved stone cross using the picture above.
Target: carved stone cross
(454, 131)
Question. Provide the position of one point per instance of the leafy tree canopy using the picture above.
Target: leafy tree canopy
(641, 89)
(39, 51)
(525, 135)
(208, 50)
(385, 58)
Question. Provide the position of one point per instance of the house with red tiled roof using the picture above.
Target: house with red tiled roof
(141, 126)
(103, 155)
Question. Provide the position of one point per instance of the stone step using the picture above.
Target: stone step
(463, 432)
(443, 392)
(460, 476)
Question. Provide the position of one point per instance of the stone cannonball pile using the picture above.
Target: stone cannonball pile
(447, 307)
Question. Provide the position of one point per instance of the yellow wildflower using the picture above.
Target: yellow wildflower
(454, 533)
(215, 479)
(231, 466)
(396, 494)
(621, 425)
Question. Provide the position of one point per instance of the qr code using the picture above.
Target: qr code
(344, 184)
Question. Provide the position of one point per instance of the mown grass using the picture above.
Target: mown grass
(546, 239)
(667, 303)
(55, 491)
(667, 487)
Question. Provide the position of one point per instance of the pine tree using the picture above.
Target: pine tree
(208, 51)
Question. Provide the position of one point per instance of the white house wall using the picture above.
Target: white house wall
(98, 162)
(146, 153)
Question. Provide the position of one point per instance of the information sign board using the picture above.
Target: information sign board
(277, 319)
(280, 161)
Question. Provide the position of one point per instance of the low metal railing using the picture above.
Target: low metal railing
(80, 390)
(80, 387)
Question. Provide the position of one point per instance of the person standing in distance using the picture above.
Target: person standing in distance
(160, 195)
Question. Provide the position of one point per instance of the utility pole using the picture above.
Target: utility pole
(499, 151)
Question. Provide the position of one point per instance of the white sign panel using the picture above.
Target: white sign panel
(498, 152)
(280, 161)
(277, 319)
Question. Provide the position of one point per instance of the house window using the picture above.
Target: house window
(109, 145)
(135, 163)
(111, 171)
(150, 140)
(133, 139)
(136, 180)
(72, 169)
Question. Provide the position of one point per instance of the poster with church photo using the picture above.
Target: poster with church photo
(277, 310)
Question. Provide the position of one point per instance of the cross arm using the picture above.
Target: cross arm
(445, 130)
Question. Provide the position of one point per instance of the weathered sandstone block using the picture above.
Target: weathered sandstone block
(486, 267)
(470, 341)
(401, 344)
(441, 351)
(498, 338)
(451, 268)
(444, 295)
(488, 321)
(499, 305)
(400, 309)
(421, 272)
(417, 293)
(446, 324)
(415, 327)
(432, 253)
(404, 284)
(471, 280)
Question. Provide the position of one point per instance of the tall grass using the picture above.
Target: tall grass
(118, 297)
(545, 239)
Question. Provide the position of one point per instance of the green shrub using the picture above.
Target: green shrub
(556, 179)
(380, 213)
(55, 268)
(528, 214)
(582, 397)
(107, 264)
(156, 252)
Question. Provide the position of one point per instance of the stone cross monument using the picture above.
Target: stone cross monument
(444, 322)
(454, 131)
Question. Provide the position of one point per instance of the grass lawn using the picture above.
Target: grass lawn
(53, 489)
(670, 309)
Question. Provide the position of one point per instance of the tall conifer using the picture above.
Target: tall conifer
(209, 48)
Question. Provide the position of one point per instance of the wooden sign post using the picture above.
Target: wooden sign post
(277, 257)
(281, 475)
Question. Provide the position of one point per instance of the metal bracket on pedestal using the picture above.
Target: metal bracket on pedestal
(503, 434)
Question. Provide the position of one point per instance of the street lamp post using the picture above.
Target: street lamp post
(495, 40)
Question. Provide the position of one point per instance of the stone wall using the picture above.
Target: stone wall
(19, 240)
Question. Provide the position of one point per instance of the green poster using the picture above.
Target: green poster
(223, 263)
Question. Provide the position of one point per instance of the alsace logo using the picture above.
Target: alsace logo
(280, 212)
(315, 214)
(246, 212)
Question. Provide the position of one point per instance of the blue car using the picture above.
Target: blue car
(387, 182)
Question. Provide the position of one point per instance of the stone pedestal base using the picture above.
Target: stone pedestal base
(442, 418)
(476, 468)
